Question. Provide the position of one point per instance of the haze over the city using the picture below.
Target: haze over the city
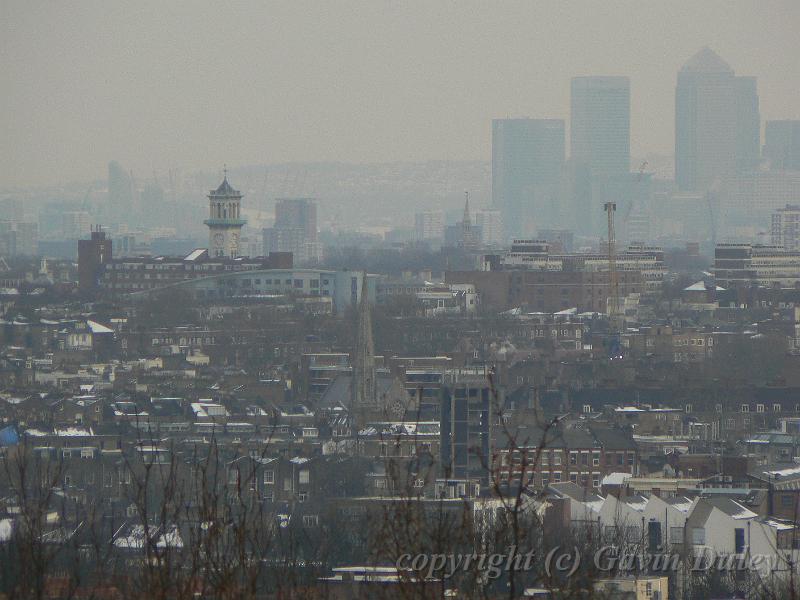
(197, 84)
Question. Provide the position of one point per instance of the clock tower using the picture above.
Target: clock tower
(224, 220)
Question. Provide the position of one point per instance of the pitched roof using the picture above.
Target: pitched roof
(225, 189)
(731, 508)
(706, 61)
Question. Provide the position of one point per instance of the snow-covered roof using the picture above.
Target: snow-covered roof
(616, 478)
(785, 472)
(96, 327)
(6, 528)
(74, 432)
(779, 525)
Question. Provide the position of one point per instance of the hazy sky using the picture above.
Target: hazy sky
(196, 84)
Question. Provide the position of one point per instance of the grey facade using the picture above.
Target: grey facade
(716, 122)
(527, 160)
(600, 124)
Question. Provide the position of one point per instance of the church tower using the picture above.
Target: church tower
(363, 389)
(224, 222)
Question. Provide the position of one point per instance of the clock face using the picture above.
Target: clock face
(218, 240)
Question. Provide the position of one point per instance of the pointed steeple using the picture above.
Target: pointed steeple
(363, 388)
(467, 221)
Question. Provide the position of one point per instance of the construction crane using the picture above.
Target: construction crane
(614, 316)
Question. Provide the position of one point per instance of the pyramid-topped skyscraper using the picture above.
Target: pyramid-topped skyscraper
(717, 123)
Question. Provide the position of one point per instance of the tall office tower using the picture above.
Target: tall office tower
(120, 189)
(600, 124)
(748, 125)
(93, 255)
(782, 145)
(786, 228)
(716, 122)
(429, 225)
(490, 223)
(527, 159)
(74, 224)
(295, 230)
(465, 430)
(224, 220)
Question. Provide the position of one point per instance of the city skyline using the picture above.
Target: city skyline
(356, 97)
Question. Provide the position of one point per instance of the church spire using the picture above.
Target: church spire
(363, 389)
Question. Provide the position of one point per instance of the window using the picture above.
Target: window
(776, 407)
(698, 536)
(739, 539)
(759, 408)
(745, 408)
(310, 520)
(676, 535)
(269, 477)
(287, 484)
(302, 496)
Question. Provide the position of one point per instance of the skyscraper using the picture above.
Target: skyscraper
(716, 122)
(786, 228)
(295, 229)
(429, 225)
(225, 221)
(527, 159)
(600, 124)
(490, 223)
(782, 145)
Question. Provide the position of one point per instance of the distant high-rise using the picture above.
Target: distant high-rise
(93, 255)
(429, 225)
(224, 221)
(716, 122)
(295, 230)
(600, 124)
(490, 223)
(782, 145)
(120, 189)
(527, 159)
(786, 228)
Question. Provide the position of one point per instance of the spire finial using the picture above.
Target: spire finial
(225, 171)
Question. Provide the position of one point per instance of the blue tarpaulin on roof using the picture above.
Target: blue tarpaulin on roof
(9, 436)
